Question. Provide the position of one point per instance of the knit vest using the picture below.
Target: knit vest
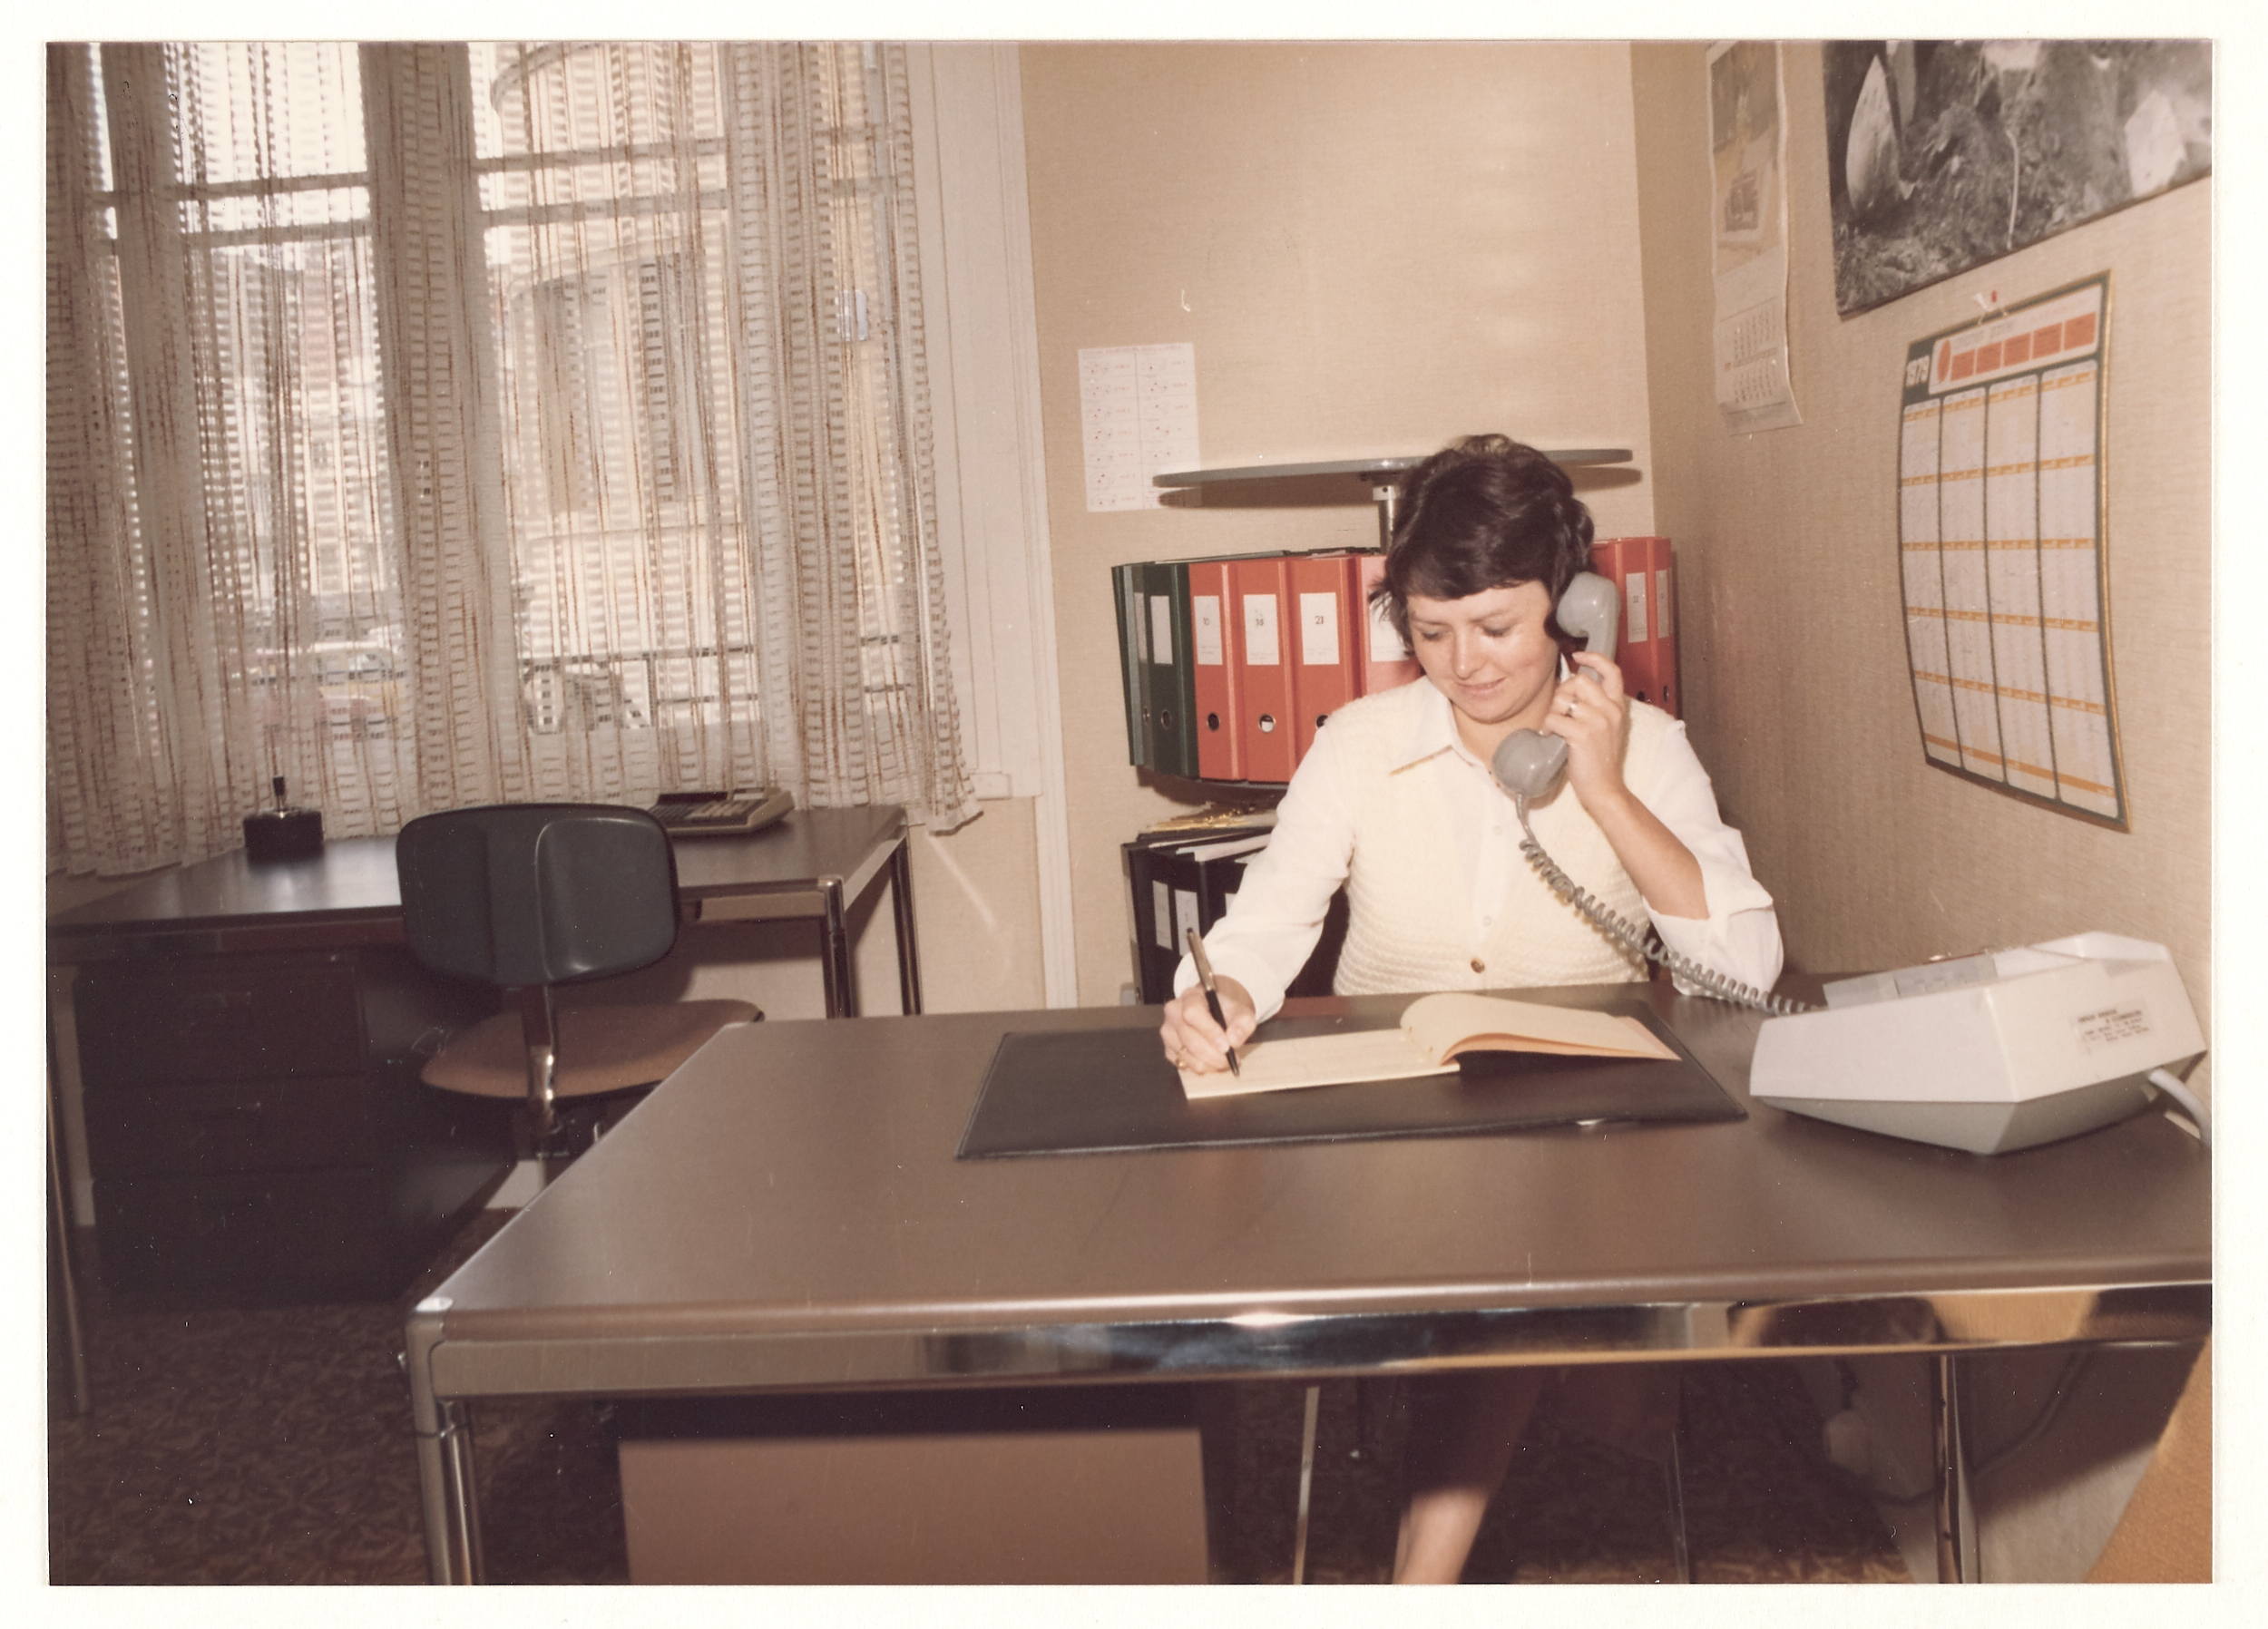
(1410, 922)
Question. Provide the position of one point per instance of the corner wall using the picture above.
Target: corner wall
(1794, 666)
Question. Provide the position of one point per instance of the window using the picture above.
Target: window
(564, 480)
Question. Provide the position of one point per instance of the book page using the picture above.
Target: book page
(1434, 1029)
(1441, 1025)
(1276, 1066)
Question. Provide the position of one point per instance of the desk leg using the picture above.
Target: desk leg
(901, 902)
(451, 1499)
(1680, 1551)
(835, 953)
(1953, 1563)
(59, 1223)
(447, 1494)
(1306, 1484)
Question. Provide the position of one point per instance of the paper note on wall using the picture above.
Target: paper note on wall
(1138, 418)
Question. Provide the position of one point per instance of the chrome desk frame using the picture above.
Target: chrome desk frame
(1130, 1283)
(445, 1377)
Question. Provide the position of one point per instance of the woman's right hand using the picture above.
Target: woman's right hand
(1193, 1040)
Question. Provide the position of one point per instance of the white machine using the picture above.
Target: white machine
(1991, 1052)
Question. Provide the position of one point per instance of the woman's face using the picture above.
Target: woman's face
(1492, 655)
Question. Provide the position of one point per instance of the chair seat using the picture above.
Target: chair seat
(601, 1049)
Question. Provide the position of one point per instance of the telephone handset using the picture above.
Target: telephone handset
(1529, 764)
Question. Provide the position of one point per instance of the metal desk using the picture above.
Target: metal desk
(284, 967)
(786, 1213)
(812, 863)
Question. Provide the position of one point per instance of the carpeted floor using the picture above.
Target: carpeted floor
(272, 1445)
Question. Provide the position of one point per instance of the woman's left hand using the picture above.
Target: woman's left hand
(1591, 718)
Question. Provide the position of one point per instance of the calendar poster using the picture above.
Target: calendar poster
(1748, 231)
(2003, 556)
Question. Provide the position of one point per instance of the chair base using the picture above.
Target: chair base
(577, 1124)
(601, 1049)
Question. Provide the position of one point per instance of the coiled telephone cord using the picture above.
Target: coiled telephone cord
(1708, 981)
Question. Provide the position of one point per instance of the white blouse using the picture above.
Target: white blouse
(1277, 916)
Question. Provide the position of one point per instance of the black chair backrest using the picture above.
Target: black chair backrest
(537, 893)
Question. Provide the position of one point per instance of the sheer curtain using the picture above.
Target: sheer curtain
(220, 568)
(435, 424)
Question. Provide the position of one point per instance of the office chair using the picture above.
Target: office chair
(533, 896)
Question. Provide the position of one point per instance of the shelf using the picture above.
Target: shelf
(1367, 468)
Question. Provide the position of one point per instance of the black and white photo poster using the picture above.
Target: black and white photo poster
(1943, 154)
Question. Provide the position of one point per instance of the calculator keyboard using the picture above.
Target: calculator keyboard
(725, 811)
(723, 816)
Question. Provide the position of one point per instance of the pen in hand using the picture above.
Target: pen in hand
(1212, 994)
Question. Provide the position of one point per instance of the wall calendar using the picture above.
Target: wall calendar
(2004, 557)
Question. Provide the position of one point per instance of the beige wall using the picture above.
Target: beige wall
(1795, 667)
(1793, 646)
(1374, 248)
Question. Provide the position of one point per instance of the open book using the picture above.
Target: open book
(1434, 1030)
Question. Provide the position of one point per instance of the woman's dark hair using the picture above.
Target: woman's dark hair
(1484, 513)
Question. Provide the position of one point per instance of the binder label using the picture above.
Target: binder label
(1161, 629)
(1260, 631)
(1319, 630)
(1184, 915)
(1661, 603)
(1385, 644)
(1634, 608)
(1161, 915)
(1205, 621)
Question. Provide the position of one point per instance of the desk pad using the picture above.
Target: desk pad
(1111, 1091)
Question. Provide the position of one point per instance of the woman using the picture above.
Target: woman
(1396, 800)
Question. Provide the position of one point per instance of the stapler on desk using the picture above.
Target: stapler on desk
(1992, 1052)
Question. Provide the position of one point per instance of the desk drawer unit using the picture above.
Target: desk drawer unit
(219, 1017)
(231, 1126)
(257, 1130)
(1031, 1485)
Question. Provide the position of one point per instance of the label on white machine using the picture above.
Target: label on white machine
(2111, 1025)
